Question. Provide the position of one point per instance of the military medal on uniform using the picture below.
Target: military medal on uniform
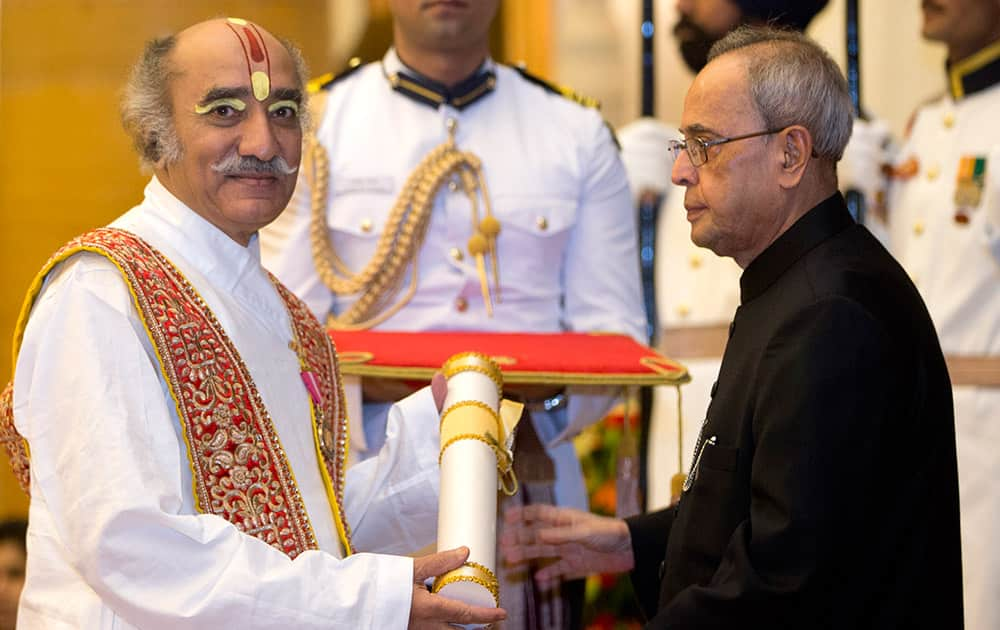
(969, 185)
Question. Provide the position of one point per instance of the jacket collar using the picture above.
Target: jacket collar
(412, 84)
(825, 220)
(974, 73)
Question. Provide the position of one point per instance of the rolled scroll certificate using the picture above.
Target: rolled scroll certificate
(475, 460)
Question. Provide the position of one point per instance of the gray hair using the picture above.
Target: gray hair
(793, 81)
(145, 108)
(146, 111)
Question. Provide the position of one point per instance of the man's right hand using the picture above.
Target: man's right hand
(570, 543)
(429, 611)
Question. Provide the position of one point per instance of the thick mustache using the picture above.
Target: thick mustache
(248, 166)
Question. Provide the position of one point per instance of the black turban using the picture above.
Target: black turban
(795, 13)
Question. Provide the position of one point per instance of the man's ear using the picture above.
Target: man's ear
(797, 146)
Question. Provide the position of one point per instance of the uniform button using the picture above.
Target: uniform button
(683, 310)
(461, 304)
(695, 261)
(456, 254)
(933, 171)
(452, 185)
(366, 225)
(949, 120)
(918, 228)
(542, 223)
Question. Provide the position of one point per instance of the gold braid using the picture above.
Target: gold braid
(397, 248)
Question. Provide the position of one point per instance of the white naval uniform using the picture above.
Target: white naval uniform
(567, 249)
(114, 539)
(957, 270)
(694, 288)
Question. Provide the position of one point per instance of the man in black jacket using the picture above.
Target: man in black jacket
(823, 492)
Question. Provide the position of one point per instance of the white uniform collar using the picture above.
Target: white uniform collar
(422, 89)
(393, 64)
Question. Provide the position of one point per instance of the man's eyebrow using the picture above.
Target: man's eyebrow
(287, 94)
(218, 93)
(697, 130)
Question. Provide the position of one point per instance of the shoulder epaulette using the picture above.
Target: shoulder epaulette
(325, 81)
(562, 90)
(586, 101)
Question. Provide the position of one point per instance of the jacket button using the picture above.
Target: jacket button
(461, 304)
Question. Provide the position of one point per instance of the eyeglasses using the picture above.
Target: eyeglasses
(697, 148)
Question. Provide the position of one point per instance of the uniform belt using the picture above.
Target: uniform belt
(973, 370)
(693, 342)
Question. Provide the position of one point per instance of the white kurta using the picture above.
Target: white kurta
(114, 539)
(957, 270)
(694, 287)
(567, 249)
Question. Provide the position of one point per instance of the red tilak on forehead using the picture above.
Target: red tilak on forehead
(256, 55)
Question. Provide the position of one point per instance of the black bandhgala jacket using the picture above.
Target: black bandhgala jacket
(826, 486)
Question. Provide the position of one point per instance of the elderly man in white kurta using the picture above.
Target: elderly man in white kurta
(155, 503)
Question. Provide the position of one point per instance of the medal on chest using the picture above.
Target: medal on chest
(969, 184)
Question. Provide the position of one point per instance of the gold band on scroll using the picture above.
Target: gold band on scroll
(504, 463)
(470, 572)
(475, 405)
(474, 362)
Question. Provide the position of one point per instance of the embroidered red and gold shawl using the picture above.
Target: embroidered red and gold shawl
(238, 465)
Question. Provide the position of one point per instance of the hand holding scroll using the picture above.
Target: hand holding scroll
(577, 543)
(428, 610)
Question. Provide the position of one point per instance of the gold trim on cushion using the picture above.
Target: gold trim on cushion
(677, 376)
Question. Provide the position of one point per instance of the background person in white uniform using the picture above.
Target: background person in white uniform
(115, 539)
(943, 214)
(566, 250)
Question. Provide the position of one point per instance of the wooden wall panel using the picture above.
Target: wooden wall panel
(526, 30)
